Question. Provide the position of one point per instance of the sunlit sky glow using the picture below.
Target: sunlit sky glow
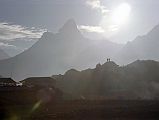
(121, 14)
(112, 19)
(115, 19)
(118, 20)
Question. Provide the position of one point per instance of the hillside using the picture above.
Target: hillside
(138, 80)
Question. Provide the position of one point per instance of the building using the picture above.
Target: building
(39, 82)
(7, 82)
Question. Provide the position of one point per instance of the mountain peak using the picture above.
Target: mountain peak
(69, 27)
(70, 22)
(71, 71)
(110, 64)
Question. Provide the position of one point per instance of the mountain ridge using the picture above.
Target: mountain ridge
(56, 53)
(142, 47)
(137, 80)
(3, 55)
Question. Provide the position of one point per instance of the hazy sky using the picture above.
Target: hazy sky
(30, 18)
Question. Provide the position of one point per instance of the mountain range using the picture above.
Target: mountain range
(55, 53)
(143, 47)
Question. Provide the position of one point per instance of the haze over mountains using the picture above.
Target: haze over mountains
(57, 53)
(143, 47)
(18, 45)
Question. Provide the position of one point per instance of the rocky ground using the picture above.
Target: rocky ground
(83, 110)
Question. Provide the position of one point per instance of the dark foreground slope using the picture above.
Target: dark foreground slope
(138, 80)
(101, 110)
(107, 92)
(84, 110)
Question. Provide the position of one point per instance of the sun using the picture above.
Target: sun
(116, 19)
(121, 14)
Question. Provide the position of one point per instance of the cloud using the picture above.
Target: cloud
(96, 29)
(113, 27)
(7, 46)
(96, 4)
(12, 31)
(12, 34)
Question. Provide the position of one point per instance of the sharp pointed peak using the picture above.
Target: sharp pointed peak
(70, 22)
(70, 26)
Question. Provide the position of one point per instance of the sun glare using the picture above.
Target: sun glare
(121, 14)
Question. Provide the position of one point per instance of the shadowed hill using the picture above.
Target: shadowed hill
(138, 80)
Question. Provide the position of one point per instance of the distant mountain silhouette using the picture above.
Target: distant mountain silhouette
(143, 47)
(56, 53)
(70, 28)
(138, 80)
(3, 55)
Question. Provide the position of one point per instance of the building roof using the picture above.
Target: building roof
(39, 81)
(7, 80)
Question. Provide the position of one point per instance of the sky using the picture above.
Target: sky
(22, 22)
